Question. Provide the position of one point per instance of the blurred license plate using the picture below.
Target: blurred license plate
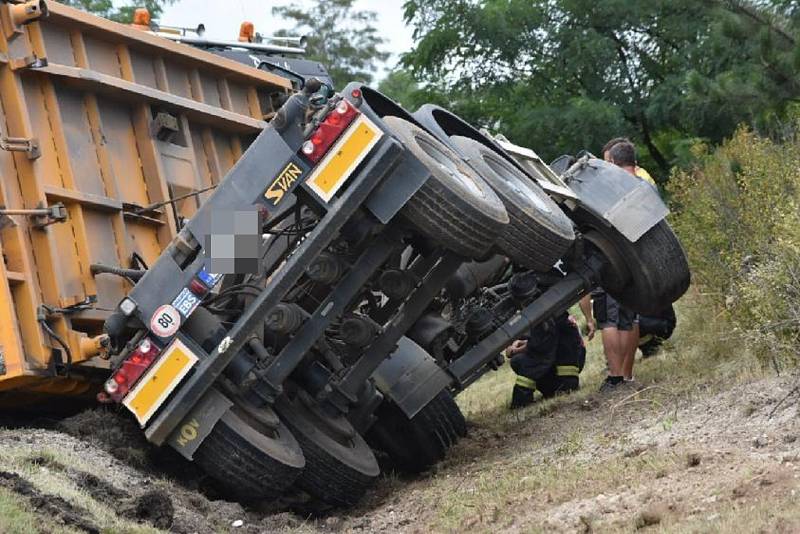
(159, 381)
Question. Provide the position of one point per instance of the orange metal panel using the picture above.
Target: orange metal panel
(92, 110)
(154, 45)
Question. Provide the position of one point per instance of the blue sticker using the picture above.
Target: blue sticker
(186, 302)
(209, 279)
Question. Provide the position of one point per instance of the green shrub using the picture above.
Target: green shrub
(738, 216)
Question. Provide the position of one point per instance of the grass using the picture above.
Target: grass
(705, 356)
(44, 467)
(518, 465)
(15, 517)
(496, 494)
(768, 515)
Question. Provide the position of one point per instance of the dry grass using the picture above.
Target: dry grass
(533, 470)
(16, 517)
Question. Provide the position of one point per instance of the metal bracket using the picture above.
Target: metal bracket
(165, 127)
(14, 14)
(21, 144)
(28, 62)
(42, 216)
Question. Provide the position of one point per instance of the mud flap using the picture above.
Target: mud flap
(393, 193)
(199, 423)
(621, 200)
(410, 377)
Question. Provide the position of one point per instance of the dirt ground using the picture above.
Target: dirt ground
(726, 462)
(725, 459)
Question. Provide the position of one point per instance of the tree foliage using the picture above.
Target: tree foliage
(563, 75)
(340, 37)
(124, 14)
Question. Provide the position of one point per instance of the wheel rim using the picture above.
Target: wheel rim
(305, 425)
(447, 164)
(515, 185)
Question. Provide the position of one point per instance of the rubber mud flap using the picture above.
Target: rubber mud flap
(410, 377)
(196, 426)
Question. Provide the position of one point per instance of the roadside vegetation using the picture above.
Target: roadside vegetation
(737, 213)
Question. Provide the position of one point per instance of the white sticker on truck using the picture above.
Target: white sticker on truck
(165, 321)
(186, 302)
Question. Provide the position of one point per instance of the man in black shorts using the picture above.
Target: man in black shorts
(617, 325)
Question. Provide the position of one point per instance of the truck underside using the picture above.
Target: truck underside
(326, 290)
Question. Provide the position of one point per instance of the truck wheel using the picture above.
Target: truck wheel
(249, 461)
(340, 466)
(645, 276)
(538, 233)
(455, 206)
(416, 444)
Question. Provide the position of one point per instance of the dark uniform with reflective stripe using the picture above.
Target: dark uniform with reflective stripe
(551, 362)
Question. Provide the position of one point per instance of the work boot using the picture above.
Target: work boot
(521, 397)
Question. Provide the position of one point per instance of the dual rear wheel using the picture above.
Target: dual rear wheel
(470, 205)
(322, 455)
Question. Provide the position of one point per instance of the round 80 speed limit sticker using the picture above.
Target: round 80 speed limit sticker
(165, 321)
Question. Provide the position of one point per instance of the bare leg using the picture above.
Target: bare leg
(631, 345)
(614, 350)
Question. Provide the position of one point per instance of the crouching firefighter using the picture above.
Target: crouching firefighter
(549, 361)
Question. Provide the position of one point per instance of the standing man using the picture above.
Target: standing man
(626, 158)
(619, 325)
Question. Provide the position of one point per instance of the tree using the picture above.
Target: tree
(340, 37)
(402, 86)
(124, 14)
(561, 75)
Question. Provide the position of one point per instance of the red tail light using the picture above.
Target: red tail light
(197, 287)
(329, 131)
(131, 370)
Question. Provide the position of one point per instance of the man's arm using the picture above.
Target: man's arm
(586, 308)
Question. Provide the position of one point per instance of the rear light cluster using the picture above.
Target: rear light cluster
(132, 370)
(198, 288)
(329, 131)
(147, 351)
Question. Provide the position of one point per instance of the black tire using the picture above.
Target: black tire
(455, 416)
(455, 207)
(246, 462)
(538, 233)
(645, 276)
(338, 471)
(415, 445)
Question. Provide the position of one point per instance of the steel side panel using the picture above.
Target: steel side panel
(622, 200)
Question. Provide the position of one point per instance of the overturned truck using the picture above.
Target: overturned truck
(277, 319)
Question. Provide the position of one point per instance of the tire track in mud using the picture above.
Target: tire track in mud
(55, 507)
(153, 507)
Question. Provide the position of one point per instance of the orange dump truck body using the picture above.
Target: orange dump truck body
(110, 122)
